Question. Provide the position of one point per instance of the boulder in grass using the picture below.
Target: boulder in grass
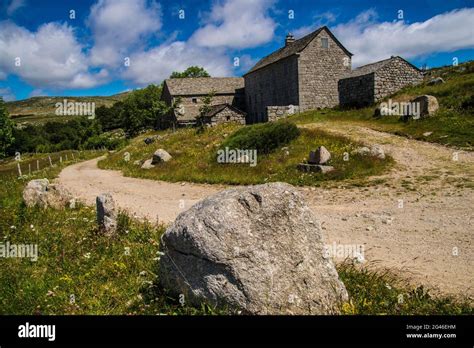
(159, 156)
(148, 164)
(320, 156)
(428, 105)
(106, 214)
(41, 193)
(256, 249)
(436, 81)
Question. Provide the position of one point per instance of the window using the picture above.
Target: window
(227, 118)
(324, 42)
(195, 100)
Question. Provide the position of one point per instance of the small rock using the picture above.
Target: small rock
(436, 81)
(137, 163)
(427, 134)
(316, 168)
(320, 156)
(377, 151)
(369, 228)
(148, 164)
(159, 156)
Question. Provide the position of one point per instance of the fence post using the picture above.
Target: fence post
(60, 159)
(73, 156)
(37, 165)
(50, 162)
(29, 168)
(19, 169)
(66, 157)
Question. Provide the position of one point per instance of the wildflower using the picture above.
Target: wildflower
(87, 255)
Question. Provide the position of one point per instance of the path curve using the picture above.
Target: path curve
(428, 241)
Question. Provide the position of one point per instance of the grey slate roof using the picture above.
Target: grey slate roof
(293, 48)
(373, 67)
(204, 85)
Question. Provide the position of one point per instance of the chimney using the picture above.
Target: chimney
(289, 39)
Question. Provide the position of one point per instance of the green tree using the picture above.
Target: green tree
(143, 109)
(204, 109)
(6, 129)
(192, 71)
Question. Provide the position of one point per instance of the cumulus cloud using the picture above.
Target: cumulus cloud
(49, 57)
(15, 5)
(371, 40)
(119, 26)
(236, 24)
(156, 64)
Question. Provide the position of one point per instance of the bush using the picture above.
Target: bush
(264, 137)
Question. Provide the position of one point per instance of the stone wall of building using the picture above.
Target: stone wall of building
(275, 113)
(225, 116)
(319, 70)
(275, 84)
(394, 76)
(356, 91)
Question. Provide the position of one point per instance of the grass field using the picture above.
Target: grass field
(194, 159)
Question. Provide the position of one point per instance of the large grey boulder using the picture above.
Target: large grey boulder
(34, 193)
(106, 214)
(159, 156)
(256, 249)
(428, 105)
(320, 156)
(41, 193)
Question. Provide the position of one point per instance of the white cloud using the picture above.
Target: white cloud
(155, 65)
(319, 20)
(38, 92)
(236, 24)
(49, 57)
(370, 40)
(7, 94)
(15, 5)
(118, 26)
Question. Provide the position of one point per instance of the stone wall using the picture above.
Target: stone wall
(356, 91)
(225, 116)
(394, 76)
(275, 84)
(319, 70)
(275, 113)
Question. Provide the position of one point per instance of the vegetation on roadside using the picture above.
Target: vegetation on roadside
(194, 156)
(452, 125)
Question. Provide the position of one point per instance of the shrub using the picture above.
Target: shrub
(264, 137)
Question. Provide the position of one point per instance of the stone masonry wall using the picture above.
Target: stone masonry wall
(393, 77)
(356, 91)
(225, 116)
(275, 113)
(275, 84)
(319, 70)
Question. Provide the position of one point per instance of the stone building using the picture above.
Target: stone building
(372, 82)
(303, 73)
(223, 113)
(192, 91)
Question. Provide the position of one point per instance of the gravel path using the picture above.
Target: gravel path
(417, 220)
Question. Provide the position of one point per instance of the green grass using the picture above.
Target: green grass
(194, 159)
(118, 276)
(453, 125)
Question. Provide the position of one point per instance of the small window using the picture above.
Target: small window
(324, 42)
(195, 100)
(228, 118)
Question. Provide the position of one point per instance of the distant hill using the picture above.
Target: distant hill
(42, 109)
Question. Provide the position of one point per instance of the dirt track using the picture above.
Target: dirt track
(429, 240)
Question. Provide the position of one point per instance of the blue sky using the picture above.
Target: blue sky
(103, 47)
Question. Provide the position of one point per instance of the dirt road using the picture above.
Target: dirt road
(416, 220)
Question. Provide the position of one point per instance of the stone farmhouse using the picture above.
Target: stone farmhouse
(370, 83)
(309, 73)
(227, 91)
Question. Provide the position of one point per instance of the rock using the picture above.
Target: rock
(315, 168)
(106, 214)
(148, 164)
(427, 134)
(320, 156)
(137, 163)
(436, 81)
(160, 155)
(41, 193)
(35, 193)
(58, 197)
(428, 105)
(148, 140)
(364, 151)
(377, 151)
(255, 249)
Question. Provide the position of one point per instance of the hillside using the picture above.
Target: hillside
(42, 109)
